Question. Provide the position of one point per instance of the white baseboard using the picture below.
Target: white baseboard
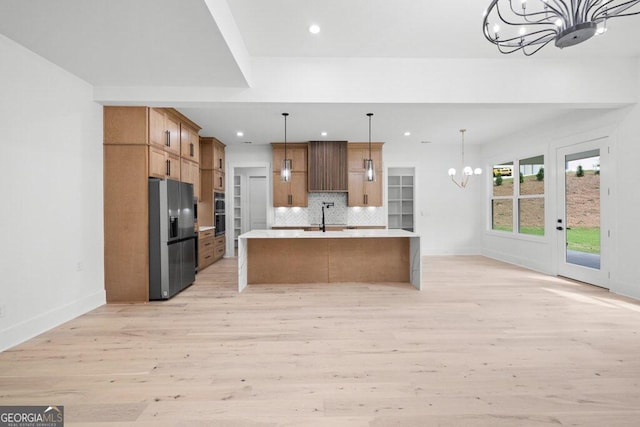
(23, 331)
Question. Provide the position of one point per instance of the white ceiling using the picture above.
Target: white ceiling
(215, 48)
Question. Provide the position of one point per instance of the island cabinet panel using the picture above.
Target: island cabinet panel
(287, 261)
(369, 260)
(327, 166)
(362, 192)
(328, 260)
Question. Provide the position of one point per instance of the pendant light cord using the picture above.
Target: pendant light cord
(369, 114)
(285, 134)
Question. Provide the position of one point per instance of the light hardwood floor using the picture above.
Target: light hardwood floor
(485, 344)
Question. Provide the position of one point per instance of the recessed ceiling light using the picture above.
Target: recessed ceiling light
(407, 133)
(248, 142)
(239, 133)
(425, 142)
(323, 134)
(314, 29)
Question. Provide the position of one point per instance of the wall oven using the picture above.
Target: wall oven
(219, 223)
(219, 213)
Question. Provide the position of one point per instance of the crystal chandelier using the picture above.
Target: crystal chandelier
(531, 25)
(467, 171)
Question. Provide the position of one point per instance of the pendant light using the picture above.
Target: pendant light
(369, 166)
(285, 170)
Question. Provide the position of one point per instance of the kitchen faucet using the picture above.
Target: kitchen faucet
(327, 205)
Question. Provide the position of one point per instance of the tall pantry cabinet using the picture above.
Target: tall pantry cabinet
(139, 142)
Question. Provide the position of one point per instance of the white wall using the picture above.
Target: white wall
(448, 219)
(625, 275)
(621, 128)
(51, 256)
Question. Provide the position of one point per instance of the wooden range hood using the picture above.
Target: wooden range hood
(328, 166)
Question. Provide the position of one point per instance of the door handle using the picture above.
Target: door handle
(559, 228)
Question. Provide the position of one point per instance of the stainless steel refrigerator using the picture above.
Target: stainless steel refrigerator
(172, 259)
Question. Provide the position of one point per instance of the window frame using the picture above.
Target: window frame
(515, 198)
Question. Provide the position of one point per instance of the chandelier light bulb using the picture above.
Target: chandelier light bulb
(467, 171)
(477, 171)
(523, 31)
(452, 172)
(496, 28)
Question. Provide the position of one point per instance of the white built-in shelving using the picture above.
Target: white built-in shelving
(237, 207)
(400, 198)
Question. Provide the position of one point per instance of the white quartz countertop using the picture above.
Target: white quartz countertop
(206, 228)
(344, 234)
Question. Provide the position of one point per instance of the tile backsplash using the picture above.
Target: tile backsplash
(337, 214)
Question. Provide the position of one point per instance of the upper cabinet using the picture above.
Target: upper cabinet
(212, 177)
(189, 143)
(293, 192)
(164, 130)
(212, 159)
(361, 191)
(296, 152)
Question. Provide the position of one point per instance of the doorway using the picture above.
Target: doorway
(581, 198)
(250, 200)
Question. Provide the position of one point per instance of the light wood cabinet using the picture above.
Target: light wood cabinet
(164, 130)
(189, 143)
(218, 156)
(138, 143)
(206, 250)
(296, 152)
(361, 191)
(218, 247)
(358, 152)
(163, 164)
(294, 192)
(212, 177)
(190, 172)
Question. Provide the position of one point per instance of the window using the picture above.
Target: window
(531, 196)
(518, 199)
(502, 200)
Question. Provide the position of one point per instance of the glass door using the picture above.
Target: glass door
(580, 223)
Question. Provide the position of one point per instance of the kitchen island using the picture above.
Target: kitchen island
(297, 256)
